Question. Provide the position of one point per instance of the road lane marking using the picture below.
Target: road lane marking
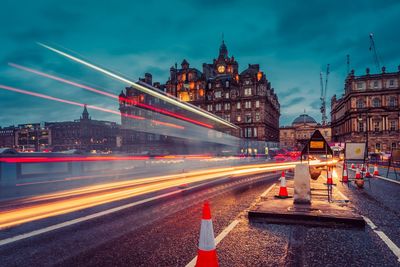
(218, 239)
(392, 246)
(346, 199)
(263, 195)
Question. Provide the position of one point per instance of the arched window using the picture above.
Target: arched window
(376, 102)
(392, 101)
(360, 103)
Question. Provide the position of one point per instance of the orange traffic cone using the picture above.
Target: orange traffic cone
(352, 166)
(206, 254)
(283, 193)
(358, 174)
(345, 177)
(368, 174)
(329, 180)
(376, 172)
(362, 168)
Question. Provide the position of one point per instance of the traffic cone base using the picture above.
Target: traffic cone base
(283, 193)
(376, 171)
(358, 174)
(207, 258)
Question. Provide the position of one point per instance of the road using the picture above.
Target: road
(165, 233)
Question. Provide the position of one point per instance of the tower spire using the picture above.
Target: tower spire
(85, 113)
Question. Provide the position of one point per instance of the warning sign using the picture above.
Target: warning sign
(355, 151)
(317, 145)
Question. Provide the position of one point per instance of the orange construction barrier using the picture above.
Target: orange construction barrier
(376, 171)
(206, 254)
(368, 174)
(358, 174)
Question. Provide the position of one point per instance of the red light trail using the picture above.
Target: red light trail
(88, 106)
(159, 110)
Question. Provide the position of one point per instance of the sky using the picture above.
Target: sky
(293, 41)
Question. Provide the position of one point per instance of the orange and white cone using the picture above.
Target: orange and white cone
(376, 171)
(329, 180)
(345, 177)
(368, 174)
(283, 193)
(362, 168)
(358, 174)
(352, 166)
(206, 254)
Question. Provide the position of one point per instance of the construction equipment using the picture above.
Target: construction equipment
(372, 48)
(323, 95)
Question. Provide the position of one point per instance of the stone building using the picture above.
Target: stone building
(84, 134)
(368, 110)
(7, 136)
(245, 98)
(295, 136)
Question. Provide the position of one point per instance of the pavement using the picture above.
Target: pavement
(166, 233)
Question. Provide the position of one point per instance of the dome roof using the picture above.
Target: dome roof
(304, 118)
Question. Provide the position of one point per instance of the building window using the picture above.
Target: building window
(247, 104)
(361, 127)
(257, 103)
(238, 105)
(360, 103)
(227, 117)
(376, 102)
(360, 85)
(392, 101)
(377, 127)
(255, 132)
(247, 91)
(394, 145)
(258, 118)
(218, 107)
(391, 83)
(227, 95)
(393, 125)
(376, 84)
(227, 106)
(209, 107)
(378, 147)
(247, 118)
(227, 84)
(209, 85)
(248, 132)
(238, 118)
(217, 94)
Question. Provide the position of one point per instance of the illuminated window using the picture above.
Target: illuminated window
(227, 106)
(209, 85)
(361, 127)
(255, 132)
(184, 96)
(247, 91)
(209, 107)
(258, 118)
(218, 107)
(257, 103)
(378, 147)
(217, 94)
(227, 95)
(238, 105)
(247, 104)
(227, 83)
(238, 118)
(201, 92)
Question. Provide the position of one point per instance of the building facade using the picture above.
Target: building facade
(295, 136)
(368, 111)
(245, 98)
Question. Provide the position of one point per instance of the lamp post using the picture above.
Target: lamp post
(367, 128)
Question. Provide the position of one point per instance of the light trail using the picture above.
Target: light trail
(50, 205)
(143, 88)
(82, 86)
(88, 106)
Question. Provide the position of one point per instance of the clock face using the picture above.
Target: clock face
(221, 68)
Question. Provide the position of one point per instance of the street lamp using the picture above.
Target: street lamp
(367, 127)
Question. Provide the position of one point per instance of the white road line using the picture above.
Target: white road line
(81, 219)
(218, 239)
(267, 191)
(392, 246)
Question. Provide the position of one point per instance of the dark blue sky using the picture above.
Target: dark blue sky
(292, 42)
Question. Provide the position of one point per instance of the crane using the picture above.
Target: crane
(372, 48)
(323, 94)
